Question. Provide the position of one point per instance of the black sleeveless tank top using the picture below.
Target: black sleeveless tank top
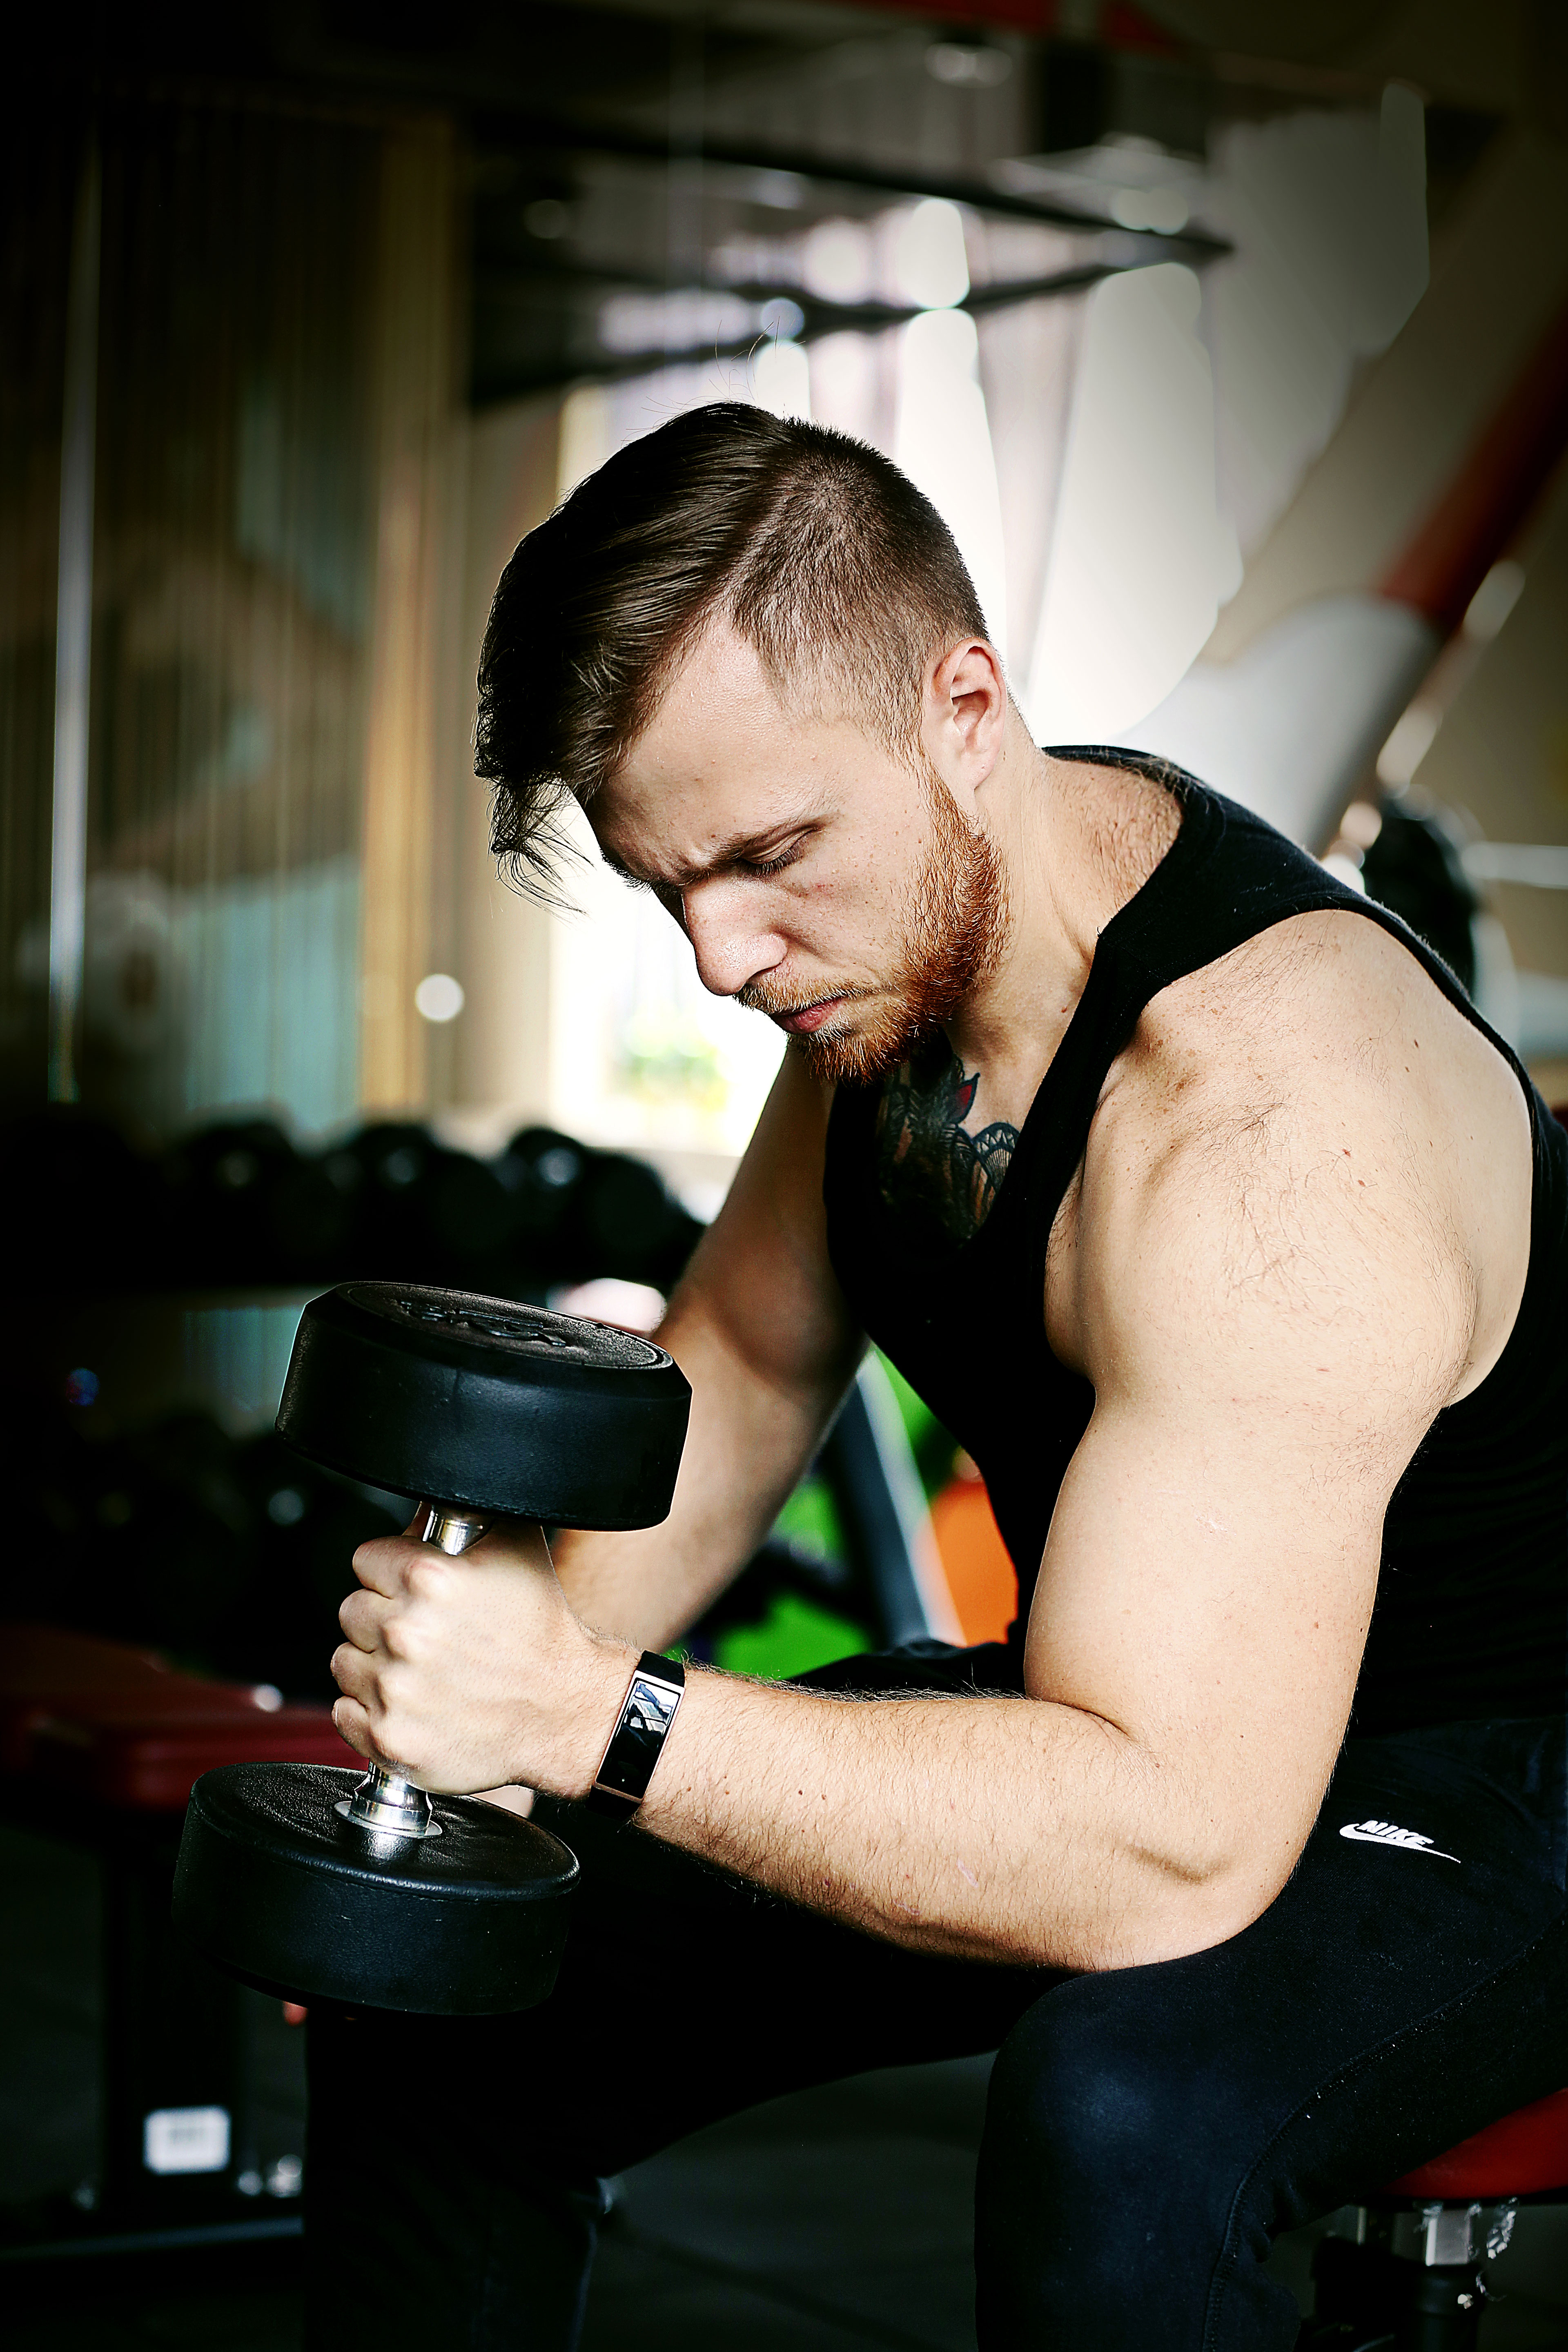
(1471, 1618)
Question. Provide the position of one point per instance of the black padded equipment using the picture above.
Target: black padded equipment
(460, 1398)
(276, 1888)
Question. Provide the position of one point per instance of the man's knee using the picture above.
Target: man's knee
(1116, 2136)
(1086, 2089)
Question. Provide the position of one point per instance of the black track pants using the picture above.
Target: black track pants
(1149, 2130)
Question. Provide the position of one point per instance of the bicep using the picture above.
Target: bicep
(1212, 1606)
(1261, 1380)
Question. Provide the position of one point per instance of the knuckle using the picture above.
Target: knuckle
(388, 1684)
(425, 1579)
(403, 1637)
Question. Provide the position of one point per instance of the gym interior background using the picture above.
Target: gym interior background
(1231, 337)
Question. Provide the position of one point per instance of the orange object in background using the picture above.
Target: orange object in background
(980, 1574)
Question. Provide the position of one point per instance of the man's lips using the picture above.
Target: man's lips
(809, 1016)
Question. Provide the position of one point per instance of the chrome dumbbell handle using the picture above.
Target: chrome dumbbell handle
(384, 1802)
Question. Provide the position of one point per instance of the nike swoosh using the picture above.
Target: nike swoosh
(1372, 1837)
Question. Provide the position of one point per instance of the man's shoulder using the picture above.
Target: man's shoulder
(1299, 1096)
(1311, 1126)
(1327, 1003)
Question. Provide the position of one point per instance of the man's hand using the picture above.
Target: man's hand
(472, 1673)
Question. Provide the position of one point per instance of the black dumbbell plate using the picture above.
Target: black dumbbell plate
(508, 1408)
(275, 1886)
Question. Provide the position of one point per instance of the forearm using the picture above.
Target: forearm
(750, 1440)
(997, 1829)
(760, 1328)
(1016, 1830)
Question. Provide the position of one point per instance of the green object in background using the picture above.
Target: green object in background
(810, 1518)
(794, 1636)
(798, 1633)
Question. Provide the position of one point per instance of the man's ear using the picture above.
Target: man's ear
(964, 720)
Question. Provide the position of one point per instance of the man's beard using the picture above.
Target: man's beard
(955, 923)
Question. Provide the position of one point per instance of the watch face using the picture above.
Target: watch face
(634, 1751)
(650, 1710)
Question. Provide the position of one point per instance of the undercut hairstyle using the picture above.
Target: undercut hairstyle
(819, 552)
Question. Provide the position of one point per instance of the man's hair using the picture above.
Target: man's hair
(816, 549)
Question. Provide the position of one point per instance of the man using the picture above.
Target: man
(1191, 1192)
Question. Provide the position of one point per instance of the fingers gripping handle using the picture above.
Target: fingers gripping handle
(384, 1802)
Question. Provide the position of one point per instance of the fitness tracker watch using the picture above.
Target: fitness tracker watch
(620, 1784)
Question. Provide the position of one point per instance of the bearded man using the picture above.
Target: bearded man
(1191, 1192)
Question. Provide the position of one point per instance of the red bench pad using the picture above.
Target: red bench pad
(115, 1723)
(44, 1666)
(1520, 2153)
(143, 1759)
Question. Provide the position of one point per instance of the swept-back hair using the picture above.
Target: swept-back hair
(816, 549)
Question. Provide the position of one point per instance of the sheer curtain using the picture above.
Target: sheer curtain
(275, 365)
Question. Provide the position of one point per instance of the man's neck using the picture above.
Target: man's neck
(1076, 842)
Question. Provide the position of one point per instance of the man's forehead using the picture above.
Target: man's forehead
(723, 764)
(718, 655)
(719, 688)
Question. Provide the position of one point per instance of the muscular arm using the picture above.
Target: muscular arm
(1271, 1312)
(1269, 1331)
(759, 1325)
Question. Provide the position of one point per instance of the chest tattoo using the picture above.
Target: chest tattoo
(926, 1158)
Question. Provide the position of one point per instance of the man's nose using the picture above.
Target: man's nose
(731, 946)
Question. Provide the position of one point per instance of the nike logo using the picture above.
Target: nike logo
(1385, 1833)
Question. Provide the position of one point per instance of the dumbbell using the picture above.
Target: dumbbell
(313, 1881)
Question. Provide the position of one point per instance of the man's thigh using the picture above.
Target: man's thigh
(1409, 1985)
(684, 1995)
(730, 1996)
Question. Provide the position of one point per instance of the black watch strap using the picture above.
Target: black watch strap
(638, 1740)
